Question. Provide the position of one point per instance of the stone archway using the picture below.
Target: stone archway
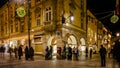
(82, 47)
(52, 41)
(72, 41)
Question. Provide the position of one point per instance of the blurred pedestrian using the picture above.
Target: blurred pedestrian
(64, 52)
(116, 52)
(10, 51)
(20, 52)
(59, 50)
(2, 51)
(51, 51)
(91, 52)
(102, 52)
(75, 53)
(86, 52)
(47, 53)
(69, 55)
(31, 53)
(16, 52)
(26, 53)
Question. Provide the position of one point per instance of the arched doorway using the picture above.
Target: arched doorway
(52, 42)
(72, 42)
(82, 46)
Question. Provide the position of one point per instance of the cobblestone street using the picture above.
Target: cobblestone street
(39, 62)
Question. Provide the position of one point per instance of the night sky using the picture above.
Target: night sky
(101, 9)
(2, 2)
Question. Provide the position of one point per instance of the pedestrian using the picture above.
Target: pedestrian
(20, 52)
(64, 52)
(31, 53)
(59, 50)
(51, 51)
(109, 52)
(86, 52)
(2, 51)
(69, 55)
(102, 52)
(10, 51)
(75, 53)
(91, 52)
(16, 52)
(26, 53)
(116, 53)
(47, 53)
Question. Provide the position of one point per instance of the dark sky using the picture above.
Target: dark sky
(101, 9)
(2, 2)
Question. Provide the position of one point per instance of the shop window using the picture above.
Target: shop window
(37, 39)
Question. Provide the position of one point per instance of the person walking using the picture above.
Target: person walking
(10, 50)
(91, 52)
(102, 52)
(75, 52)
(16, 52)
(86, 52)
(47, 53)
(69, 56)
(26, 53)
(20, 52)
(2, 51)
(31, 53)
(116, 53)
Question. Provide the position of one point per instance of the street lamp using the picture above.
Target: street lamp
(117, 34)
(70, 18)
(28, 15)
(21, 13)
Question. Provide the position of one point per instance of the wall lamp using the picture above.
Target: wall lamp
(70, 18)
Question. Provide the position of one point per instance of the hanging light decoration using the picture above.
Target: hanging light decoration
(115, 18)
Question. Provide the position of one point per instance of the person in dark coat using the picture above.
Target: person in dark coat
(47, 53)
(10, 50)
(26, 52)
(20, 52)
(69, 53)
(51, 51)
(116, 52)
(2, 50)
(64, 52)
(16, 52)
(91, 52)
(102, 52)
(86, 52)
(31, 53)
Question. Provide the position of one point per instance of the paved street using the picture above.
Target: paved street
(39, 62)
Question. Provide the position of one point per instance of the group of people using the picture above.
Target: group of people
(63, 53)
(49, 51)
(89, 52)
(18, 52)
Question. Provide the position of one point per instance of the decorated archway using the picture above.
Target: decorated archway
(72, 42)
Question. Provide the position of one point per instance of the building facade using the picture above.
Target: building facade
(97, 33)
(54, 23)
